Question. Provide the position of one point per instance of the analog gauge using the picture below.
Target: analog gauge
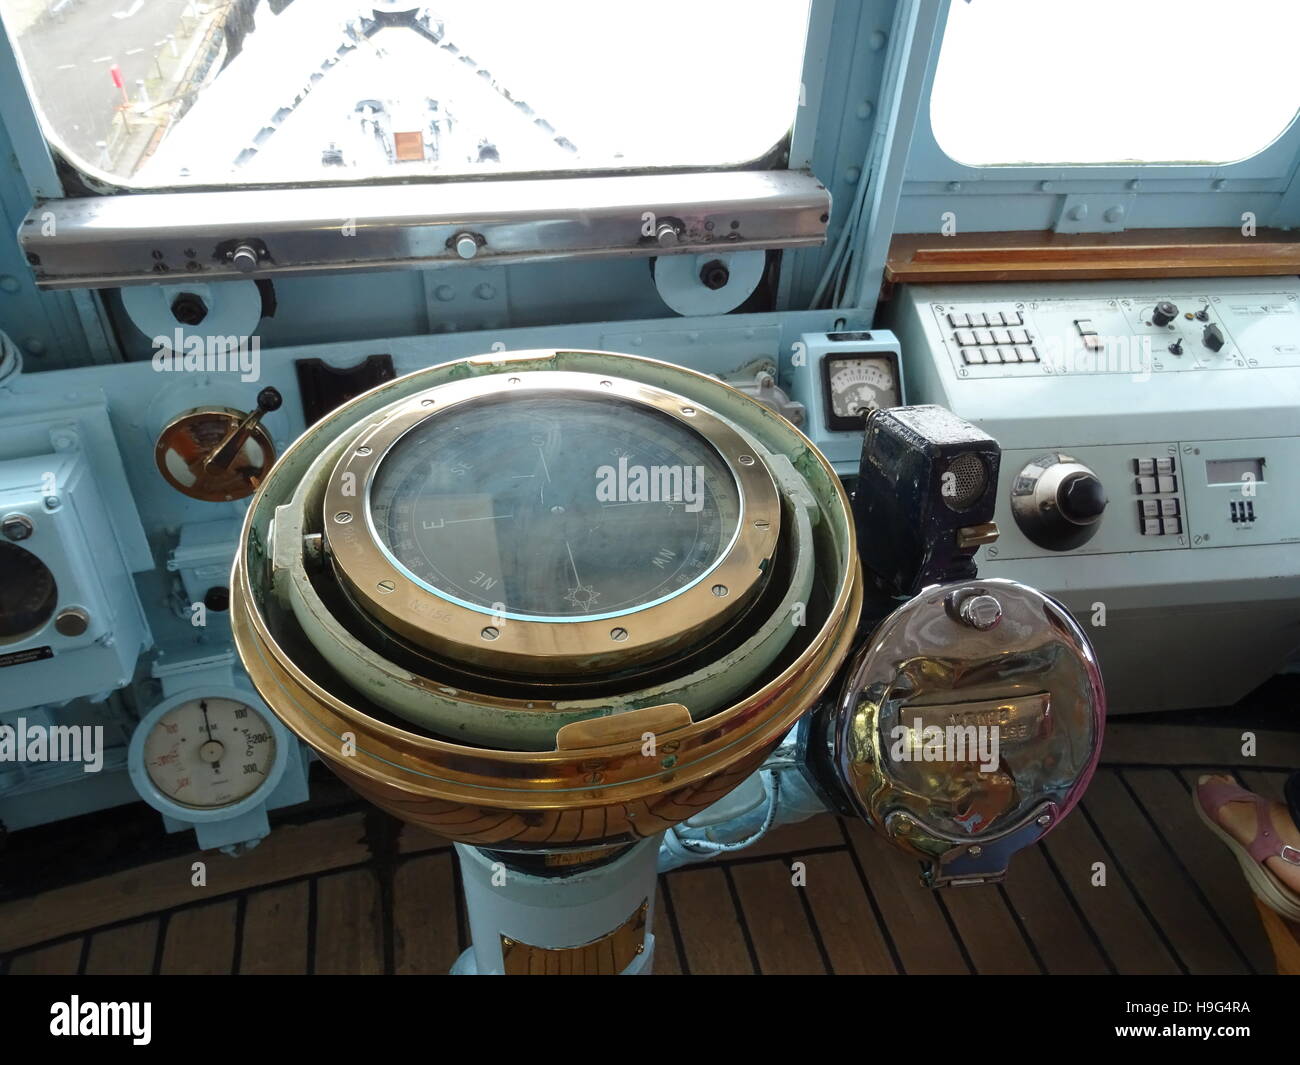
(554, 506)
(28, 593)
(857, 384)
(209, 752)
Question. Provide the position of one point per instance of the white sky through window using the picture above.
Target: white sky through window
(1115, 81)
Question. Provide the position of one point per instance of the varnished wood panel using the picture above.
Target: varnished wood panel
(1042, 255)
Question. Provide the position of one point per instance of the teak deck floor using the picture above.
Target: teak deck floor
(343, 888)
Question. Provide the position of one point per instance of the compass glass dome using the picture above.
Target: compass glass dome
(563, 507)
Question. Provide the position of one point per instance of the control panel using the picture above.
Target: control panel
(1132, 334)
(1150, 474)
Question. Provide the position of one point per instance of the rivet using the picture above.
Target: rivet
(445, 293)
(343, 517)
(865, 109)
(746, 460)
(386, 586)
(1044, 186)
(953, 186)
(9, 283)
(490, 633)
(877, 40)
(1114, 214)
(485, 291)
(1079, 212)
(720, 590)
(852, 174)
(688, 411)
(1219, 185)
(618, 635)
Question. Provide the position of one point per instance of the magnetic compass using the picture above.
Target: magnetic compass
(551, 521)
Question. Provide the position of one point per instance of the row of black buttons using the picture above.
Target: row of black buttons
(1243, 512)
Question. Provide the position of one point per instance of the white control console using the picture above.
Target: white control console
(1150, 479)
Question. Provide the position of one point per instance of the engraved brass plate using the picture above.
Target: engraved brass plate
(607, 956)
(1018, 719)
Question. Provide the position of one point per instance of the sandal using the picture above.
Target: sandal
(1212, 794)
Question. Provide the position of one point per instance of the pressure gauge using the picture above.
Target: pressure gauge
(204, 755)
(855, 384)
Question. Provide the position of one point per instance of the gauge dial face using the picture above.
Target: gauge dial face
(208, 753)
(554, 506)
(28, 593)
(859, 384)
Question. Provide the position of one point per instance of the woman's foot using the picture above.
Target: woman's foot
(1240, 818)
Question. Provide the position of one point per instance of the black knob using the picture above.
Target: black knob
(1212, 337)
(217, 598)
(1163, 313)
(1203, 315)
(1176, 348)
(269, 399)
(1082, 499)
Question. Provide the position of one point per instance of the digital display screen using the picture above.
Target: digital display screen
(1234, 471)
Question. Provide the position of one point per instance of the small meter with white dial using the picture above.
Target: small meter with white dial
(205, 755)
(855, 384)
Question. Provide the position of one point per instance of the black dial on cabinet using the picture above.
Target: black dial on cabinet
(1163, 313)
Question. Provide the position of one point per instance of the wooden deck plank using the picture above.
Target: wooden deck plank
(61, 959)
(667, 961)
(922, 935)
(412, 839)
(849, 929)
(992, 939)
(349, 923)
(796, 839)
(1163, 884)
(290, 851)
(1124, 929)
(1269, 785)
(425, 934)
(1169, 804)
(1061, 938)
(201, 941)
(1179, 745)
(275, 931)
(778, 926)
(708, 921)
(125, 951)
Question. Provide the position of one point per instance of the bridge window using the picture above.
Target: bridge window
(1026, 82)
(160, 93)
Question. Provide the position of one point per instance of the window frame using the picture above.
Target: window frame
(1263, 179)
